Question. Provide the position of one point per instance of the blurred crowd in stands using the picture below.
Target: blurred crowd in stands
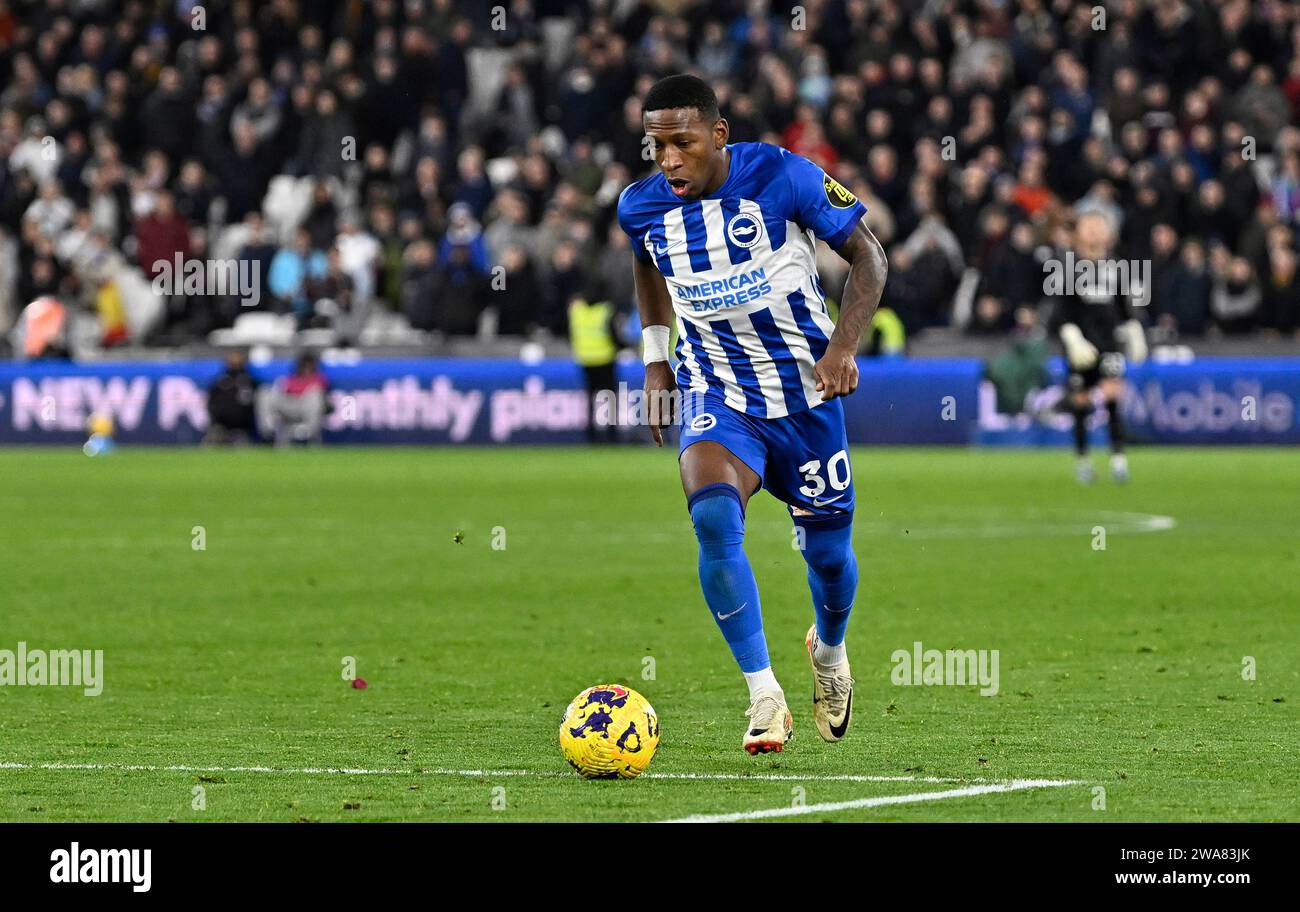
(459, 164)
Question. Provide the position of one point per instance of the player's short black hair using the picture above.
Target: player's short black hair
(682, 91)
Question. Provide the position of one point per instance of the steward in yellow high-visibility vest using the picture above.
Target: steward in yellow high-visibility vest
(591, 336)
(590, 333)
(886, 335)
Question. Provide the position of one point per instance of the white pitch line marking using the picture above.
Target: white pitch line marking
(1115, 521)
(1013, 786)
(794, 777)
(471, 773)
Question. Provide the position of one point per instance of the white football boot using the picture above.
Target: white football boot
(1119, 468)
(832, 693)
(1084, 471)
(770, 724)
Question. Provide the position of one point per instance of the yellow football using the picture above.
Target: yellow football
(609, 732)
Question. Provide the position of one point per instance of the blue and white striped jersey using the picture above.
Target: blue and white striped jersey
(739, 264)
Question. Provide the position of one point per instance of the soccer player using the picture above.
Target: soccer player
(725, 236)
(1094, 323)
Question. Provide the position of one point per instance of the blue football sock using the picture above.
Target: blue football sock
(832, 575)
(725, 574)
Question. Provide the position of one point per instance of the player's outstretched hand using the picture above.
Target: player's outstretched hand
(837, 372)
(659, 387)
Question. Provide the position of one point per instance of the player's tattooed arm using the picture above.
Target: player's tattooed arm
(656, 309)
(837, 371)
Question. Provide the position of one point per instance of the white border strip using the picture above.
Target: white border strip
(879, 801)
(469, 773)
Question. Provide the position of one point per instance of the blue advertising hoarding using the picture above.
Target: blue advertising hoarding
(444, 401)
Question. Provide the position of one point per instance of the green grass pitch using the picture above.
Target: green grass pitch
(1119, 668)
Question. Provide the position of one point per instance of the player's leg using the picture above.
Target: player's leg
(718, 484)
(833, 582)
(1112, 391)
(809, 469)
(717, 487)
(1080, 401)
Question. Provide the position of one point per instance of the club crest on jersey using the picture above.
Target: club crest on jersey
(702, 423)
(838, 195)
(744, 229)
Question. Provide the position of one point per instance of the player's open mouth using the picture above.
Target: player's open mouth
(678, 185)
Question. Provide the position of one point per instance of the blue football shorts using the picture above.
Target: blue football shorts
(802, 459)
